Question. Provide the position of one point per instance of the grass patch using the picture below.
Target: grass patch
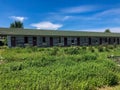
(58, 68)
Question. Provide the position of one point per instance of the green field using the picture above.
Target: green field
(59, 68)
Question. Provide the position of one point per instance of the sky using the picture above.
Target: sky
(80, 15)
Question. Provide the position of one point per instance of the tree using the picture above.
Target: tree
(16, 24)
(107, 31)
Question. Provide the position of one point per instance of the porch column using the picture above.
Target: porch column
(100, 40)
(9, 41)
(107, 40)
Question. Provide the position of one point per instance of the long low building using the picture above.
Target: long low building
(33, 37)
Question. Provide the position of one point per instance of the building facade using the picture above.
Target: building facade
(49, 38)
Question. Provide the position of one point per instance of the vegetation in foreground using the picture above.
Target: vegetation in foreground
(58, 68)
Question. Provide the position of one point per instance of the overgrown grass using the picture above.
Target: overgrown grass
(58, 68)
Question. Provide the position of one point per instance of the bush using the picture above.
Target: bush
(115, 46)
(3, 47)
(42, 62)
(111, 79)
(91, 49)
(16, 67)
(84, 47)
(72, 50)
(54, 51)
(89, 57)
(65, 68)
(107, 49)
(110, 47)
(101, 49)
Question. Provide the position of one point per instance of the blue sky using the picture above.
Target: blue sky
(83, 15)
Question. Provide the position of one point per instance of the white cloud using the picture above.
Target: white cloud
(103, 17)
(79, 9)
(112, 29)
(66, 18)
(18, 18)
(115, 11)
(58, 17)
(46, 25)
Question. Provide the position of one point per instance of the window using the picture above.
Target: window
(59, 39)
(72, 41)
(44, 40)
(105, 39)
(114, 39)
(25, 39)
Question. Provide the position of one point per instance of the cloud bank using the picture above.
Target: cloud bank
(79, 9)
(46, 25)
(18, 18)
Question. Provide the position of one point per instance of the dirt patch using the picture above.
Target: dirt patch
(117, 87)
(105, 88)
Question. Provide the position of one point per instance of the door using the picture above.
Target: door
(65, 41)
(34, 41)
(114, 40)
(89, 41)
(25, 39)
(118, 41)
(51, 41)
(13, 41)
(78, 41)
(109, 41)
(100, 41)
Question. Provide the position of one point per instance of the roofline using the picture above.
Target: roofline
(54, 30)
(56, 35)
(43, 32)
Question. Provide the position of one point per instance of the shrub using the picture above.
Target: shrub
(84, 47)
(91, 49)
(16, 67)
(65, 68)
(107, 49)
(72, 50)
(42, 62)
(89, 57)
(3, 47)
(101, 49)
(110, 47)
(111, 79)
(54, 51)
(115, 46)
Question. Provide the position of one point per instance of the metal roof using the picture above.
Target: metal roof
(35, 32)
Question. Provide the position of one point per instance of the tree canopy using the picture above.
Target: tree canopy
(107, 31)
(16, 24)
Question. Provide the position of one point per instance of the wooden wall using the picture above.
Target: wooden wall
(59, 41)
